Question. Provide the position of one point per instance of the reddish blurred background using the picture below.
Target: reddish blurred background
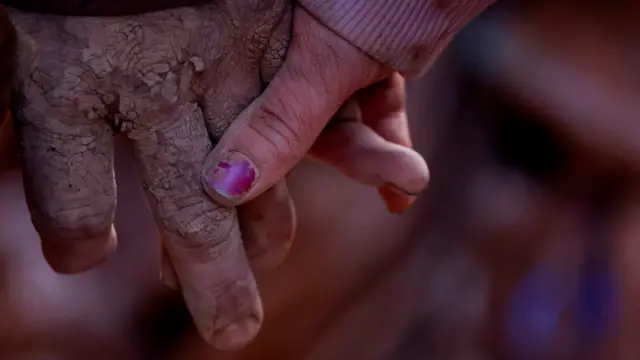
(525, 247)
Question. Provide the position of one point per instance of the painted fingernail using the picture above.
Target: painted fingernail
(232, 176)
(397, 201)
(236, 335)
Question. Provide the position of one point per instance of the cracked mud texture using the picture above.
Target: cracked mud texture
(170, 81)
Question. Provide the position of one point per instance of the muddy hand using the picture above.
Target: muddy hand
(171, 82)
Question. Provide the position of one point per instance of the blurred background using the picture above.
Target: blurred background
(526, 245)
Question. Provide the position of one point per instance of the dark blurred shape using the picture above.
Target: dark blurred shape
(523, 143)
(163, 321)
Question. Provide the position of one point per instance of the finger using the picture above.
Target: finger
(221, 104)
(397, 202)
(268, 225)
(69, 185)
(201, 238)
(383, 108)
(361, 154)
(277, 129)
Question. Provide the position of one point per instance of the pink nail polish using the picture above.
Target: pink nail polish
(233, 176)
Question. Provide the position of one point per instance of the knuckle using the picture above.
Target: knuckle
(78, 223)
(235, 298)
(281, 130)
(203, 230)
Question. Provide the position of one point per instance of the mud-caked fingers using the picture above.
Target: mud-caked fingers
(201, 238)
(69, 185)
(67, 156)
(149, 84)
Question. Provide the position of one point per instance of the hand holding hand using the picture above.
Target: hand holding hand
(320, 73)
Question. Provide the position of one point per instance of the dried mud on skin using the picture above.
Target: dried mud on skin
(171, 82)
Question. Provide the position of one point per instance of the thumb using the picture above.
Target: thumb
(273, 134)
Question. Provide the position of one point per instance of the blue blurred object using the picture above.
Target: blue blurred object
(537, 301)
(533, 311)
(598, 293)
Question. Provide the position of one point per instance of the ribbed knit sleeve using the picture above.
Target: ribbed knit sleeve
(406, 35)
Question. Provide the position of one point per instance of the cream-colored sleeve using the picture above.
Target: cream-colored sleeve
(406, 35)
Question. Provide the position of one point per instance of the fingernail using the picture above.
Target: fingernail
(236, 335)
(397, 201)
(232, 176)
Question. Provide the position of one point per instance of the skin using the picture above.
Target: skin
(76, 86)
(334, 71)
(322, 72)
(484, 210)
(171, 82)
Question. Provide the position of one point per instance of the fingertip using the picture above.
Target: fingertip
(363, 155)
(67, 256)
(222, 323)
(419, 180)
(229, 327)
(236, 335)
(396, 202)
(216, 281)
(404, 170)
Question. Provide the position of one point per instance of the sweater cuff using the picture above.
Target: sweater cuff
(406, 35)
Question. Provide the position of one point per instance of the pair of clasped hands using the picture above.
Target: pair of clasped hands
(247, 168)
